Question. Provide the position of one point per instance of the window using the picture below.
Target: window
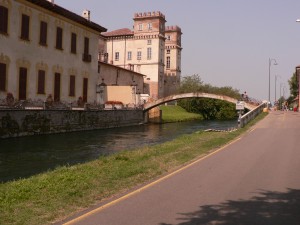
(72, 86)
(59, 37)
(22, 83)
(168, 37)
(168, 51)
(86, 45)
(86, 57)
(2, 77)
(43, 33)
(149, 53)
(117, 55)
(85, 89)
(168, 62)
(73, 43)
(57, 78)
(149, 42)
(129, 55)
(3, 19)
(139, 55)
(41, 82)
(149, 26)
(25, 27)
(140, 26)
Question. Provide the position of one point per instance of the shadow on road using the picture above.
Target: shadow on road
(266, 208)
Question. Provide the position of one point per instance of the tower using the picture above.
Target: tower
(143, 50)
(149, 33)
(172, 59)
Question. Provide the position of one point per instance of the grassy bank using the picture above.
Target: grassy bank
(54, 195)
(174, 113)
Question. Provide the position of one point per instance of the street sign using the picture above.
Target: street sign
(240, 105)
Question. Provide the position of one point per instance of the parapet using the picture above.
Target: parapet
(149, 14)
(173, 28)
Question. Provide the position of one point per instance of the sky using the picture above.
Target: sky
(225, 42)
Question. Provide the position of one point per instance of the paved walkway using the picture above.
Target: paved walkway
(254, 181)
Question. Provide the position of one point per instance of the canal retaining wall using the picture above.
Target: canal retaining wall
(16, 123)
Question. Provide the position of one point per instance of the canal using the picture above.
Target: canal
(26, 156)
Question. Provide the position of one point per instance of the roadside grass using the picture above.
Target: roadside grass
(52, 196)
(173, 113)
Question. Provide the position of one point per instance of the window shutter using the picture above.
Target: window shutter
(72, 85)
(2, 76)
(73, 43)
(41, 82)
(86, 45)
(59, 33)
(22, 83)
(43, 33)
(85, 89)
(25, 27)
(3, 19)
(57, 87)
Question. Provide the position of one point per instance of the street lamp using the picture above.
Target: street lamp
(275, 85)
(275, 63)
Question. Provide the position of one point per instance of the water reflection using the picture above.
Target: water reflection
(23, 157)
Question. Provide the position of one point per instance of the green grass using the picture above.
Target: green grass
(54, 195)
(172, 113)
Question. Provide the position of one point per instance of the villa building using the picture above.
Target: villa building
(151, 49)
(47, 50)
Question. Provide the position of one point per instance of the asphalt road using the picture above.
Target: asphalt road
(253, 181)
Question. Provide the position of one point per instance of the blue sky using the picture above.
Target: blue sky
(226, 42)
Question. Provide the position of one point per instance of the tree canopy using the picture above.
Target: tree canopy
(194, 83)
(293, 83)
(209, 108)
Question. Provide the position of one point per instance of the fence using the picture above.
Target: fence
(61, 105)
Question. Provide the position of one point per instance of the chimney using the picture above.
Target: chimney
(86, 14)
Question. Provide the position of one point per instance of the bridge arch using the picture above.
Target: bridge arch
(170, 98)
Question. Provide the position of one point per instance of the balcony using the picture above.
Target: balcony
(86, 57)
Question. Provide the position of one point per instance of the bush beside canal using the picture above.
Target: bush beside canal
(56, 194)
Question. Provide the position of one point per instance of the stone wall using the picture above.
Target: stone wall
(15, 123)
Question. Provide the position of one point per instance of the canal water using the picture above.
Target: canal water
(26, 156)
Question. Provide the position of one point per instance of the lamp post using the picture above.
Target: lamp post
(270, 63)
(275, 85)
(281, 85)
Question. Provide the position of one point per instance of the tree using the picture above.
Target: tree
(293, 83)
(191, 84)
(210, 109)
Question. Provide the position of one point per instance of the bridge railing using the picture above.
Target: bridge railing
(251, 115)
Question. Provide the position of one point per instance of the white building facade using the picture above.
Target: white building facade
(47, 50)
(144, 50)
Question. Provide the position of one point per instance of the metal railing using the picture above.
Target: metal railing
(39, 104)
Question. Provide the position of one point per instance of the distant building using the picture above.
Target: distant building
(150, 48)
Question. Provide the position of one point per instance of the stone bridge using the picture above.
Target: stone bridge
(170, 98)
